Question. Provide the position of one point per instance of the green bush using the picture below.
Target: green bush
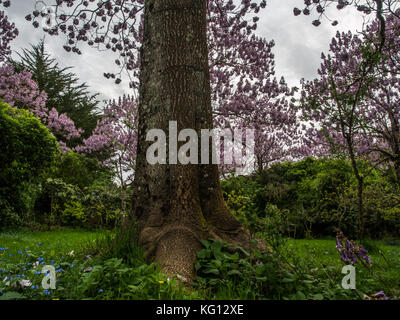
(27, 151)
(311, 198)
(79, 170)
(64, 204)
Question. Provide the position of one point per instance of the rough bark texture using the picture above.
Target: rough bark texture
(177, 205)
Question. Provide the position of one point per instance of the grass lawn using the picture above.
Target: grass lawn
(328, 254)
(23, 254)
(48, 244)
(384, 254)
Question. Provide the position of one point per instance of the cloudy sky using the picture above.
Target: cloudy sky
(297, 51)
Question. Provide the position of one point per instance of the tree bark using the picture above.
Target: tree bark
(360, 190)
(176, 206)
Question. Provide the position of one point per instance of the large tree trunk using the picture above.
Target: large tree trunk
(177, 205)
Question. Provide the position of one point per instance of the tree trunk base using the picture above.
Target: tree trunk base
(175, 247)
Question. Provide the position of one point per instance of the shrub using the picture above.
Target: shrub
(311, 198)
(27, 151)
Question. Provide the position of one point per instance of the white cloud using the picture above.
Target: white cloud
(298, 43)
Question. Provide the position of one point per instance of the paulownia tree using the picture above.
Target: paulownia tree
(334, 101)
(175, 205)
(116, 136)
(382, 122)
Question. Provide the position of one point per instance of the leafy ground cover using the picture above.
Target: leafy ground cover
(299, 269)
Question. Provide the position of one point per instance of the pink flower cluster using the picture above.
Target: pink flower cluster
(116, 133)
(355, 101)
(21, 91)
(8, 32)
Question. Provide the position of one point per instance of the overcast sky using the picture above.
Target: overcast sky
(297, 51)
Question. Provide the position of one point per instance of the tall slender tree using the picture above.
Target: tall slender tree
(335, 100)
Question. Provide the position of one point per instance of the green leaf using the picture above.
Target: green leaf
(11, 296)
(308, 281)
(213, 271)
(205, 243)
(234, 272)
(203, 254)
(300, 295)
(318, 296)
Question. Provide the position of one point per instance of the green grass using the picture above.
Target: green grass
(47, 243)
(87, 274)
(385, 256)
(81, 271)
(327, 253)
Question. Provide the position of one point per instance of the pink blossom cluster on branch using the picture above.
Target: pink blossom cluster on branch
(355, 101)
(116, 133)
(382, 106)
(21, 91)
(8, 32)
(333, 101)
(247, 95)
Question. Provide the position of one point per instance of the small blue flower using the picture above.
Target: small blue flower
(101, 290)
